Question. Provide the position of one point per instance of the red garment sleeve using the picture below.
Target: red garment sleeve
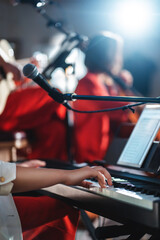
(29, 108)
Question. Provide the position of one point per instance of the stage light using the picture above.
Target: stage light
(133, 17)
(35, 3)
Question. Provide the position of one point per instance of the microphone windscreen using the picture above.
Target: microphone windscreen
(30, 71)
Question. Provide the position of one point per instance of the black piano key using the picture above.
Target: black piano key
(157, 194)
(150, 192)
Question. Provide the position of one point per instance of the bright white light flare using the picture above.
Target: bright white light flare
(133, 17)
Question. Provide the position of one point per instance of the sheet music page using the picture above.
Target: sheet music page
(142, 136)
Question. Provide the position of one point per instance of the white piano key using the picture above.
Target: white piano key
(127, 196)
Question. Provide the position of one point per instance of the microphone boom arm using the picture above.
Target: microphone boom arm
(31, 71)
(73, 96)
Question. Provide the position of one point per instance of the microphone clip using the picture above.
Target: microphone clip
(69, 96)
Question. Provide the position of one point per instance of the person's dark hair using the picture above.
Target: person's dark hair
(101, 51)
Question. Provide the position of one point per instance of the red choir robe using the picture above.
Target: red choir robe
(92, 130)
(32, 109)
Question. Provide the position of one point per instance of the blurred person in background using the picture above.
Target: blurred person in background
(93, 132)
(26, 107)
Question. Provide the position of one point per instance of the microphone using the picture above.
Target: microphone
(31, 71)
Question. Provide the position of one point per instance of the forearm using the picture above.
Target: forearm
(28, 179)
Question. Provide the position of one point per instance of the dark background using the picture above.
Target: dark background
(26, 29)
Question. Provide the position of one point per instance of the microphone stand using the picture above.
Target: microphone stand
(72, 41)
(73, 96)
(51, 22)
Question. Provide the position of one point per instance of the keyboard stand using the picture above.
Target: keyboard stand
(135, 231)
(88, 224)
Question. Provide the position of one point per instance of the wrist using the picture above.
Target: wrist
(64, 177)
